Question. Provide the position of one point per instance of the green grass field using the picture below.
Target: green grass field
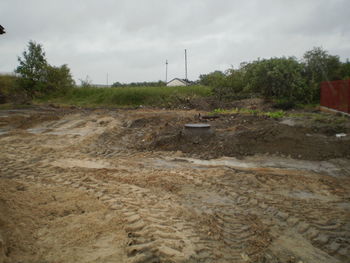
(130, 96)
(7, 83)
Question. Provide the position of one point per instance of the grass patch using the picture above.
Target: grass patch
(310, 106)
(7, 83)
(129, 96)
(272, 114)
(331, 119)
(7, 88)
(275, 114)
(11, 106)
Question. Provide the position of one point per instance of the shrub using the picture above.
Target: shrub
(284, 104)
(276, 78)
(7, 84)
(58, 79)
(37, 77)
(10, 91)
(320, 66)
(279, 78)
(276, 114)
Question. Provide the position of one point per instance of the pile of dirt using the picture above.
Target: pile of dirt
(239, 136)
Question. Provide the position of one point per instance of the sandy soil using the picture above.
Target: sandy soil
(128, 186)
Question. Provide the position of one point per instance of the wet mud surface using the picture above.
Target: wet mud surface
(128, 186)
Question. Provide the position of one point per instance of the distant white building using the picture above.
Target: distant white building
(176, 82)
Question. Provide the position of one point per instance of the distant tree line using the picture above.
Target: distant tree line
(140, 84)
(284, 78)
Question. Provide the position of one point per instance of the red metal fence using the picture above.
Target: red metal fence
(336, 95)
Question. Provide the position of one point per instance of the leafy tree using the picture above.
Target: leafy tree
(32, 68)
(33, 64)
(271, 78)
(37, 76)
(58, 78)
(320, 66)
(285, 79)
(117, 84)
(345, 70)
(276, 78)
(230, 85)
(235, 79)
(213, 79)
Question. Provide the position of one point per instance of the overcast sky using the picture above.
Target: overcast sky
(131, 39)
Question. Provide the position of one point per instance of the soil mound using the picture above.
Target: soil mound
(240, 136)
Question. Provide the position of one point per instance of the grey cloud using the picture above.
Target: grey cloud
(131, 39)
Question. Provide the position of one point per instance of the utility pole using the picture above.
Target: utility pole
(166, 71)
(186, 64)
(107, 80)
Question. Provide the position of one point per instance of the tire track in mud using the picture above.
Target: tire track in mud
(156, 231)
(233, 237)
(327, 235)
(154, 234)
(157, 234)
(233, 230)
(241, 226)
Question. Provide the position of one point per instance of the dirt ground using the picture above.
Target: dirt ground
(132, 186)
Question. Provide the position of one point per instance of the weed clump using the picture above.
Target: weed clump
(274, 114)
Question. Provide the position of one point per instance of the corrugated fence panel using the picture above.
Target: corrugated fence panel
(336, 95)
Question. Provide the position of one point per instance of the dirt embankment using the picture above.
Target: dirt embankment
(240, 135)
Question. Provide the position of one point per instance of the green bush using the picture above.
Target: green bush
(58, 79)
(282, 78)
(320, 66)
(276, 78)
(7, 85)
(284, 104)
(10, 92)
(276, 114)
(37, 77)
(214, 79)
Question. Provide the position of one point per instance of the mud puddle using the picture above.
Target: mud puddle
(3, 131)
(306, 195)
(37, 130)
(256, 162)
(70, 163)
